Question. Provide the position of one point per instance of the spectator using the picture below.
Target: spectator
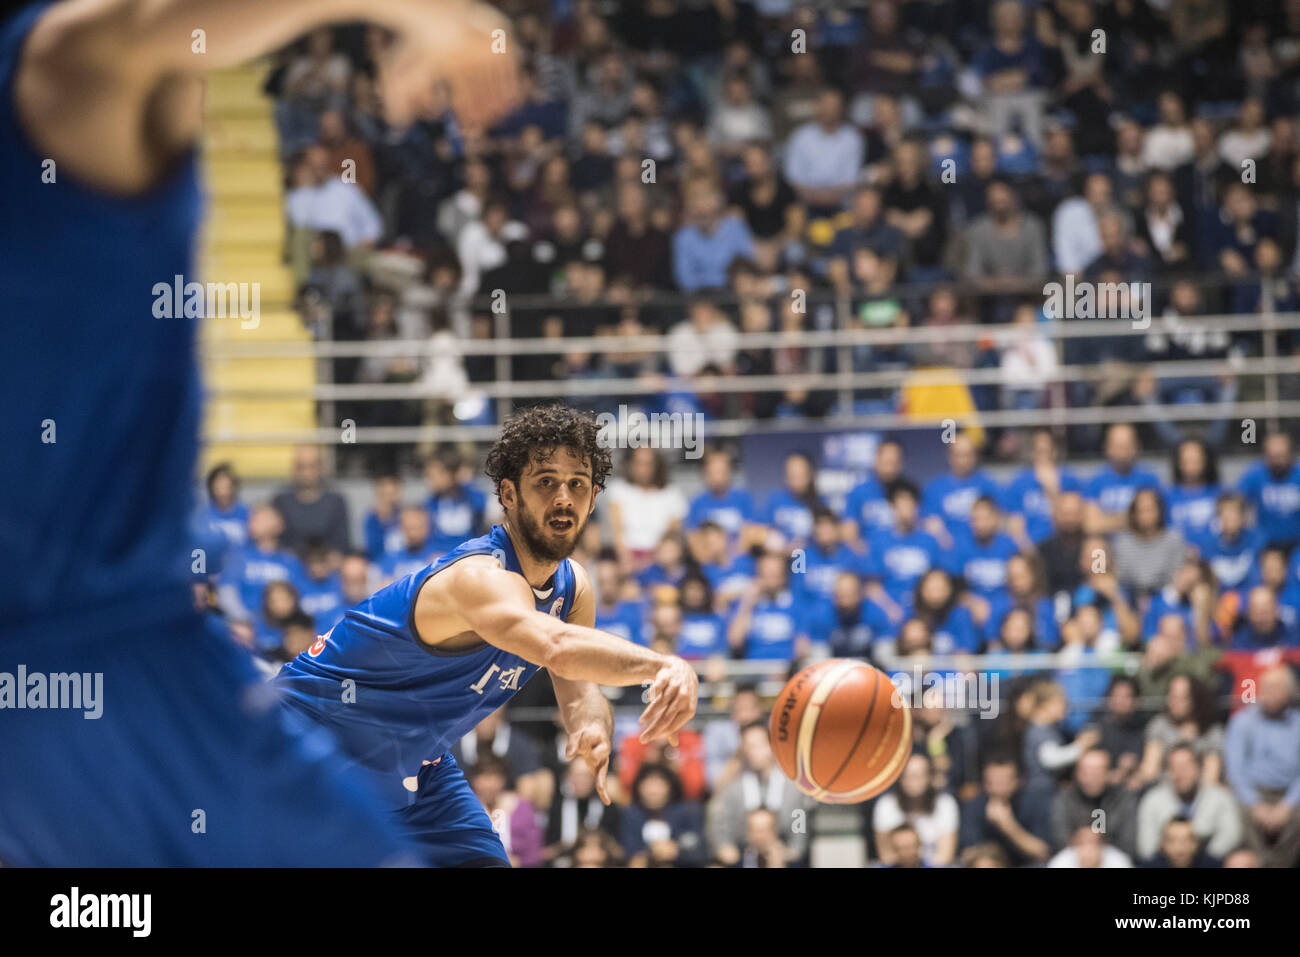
(1009, 73)
(1088, 848)
(1007, 814)
(1076, 233)
(708, 240)
(1061, 550)
(768, 624)
(311, 509)
(577, 812)
(322, 201)
(1262, 764)
(1121, 727)
(868, 229)
(636, 247)
(1005, 247)
(660, 828)
(1148, 551)
(224, 517)
(915, 801)
(823, 156)
(1180, 847)
(1272, 488)
(706, 338)
(1111, 490)
(763, 846)
(738, 117)
(949, 498)
(252, 567)
(759, 786)
(1208, 809)
(1046, 755)
(497, 739)
(1092, 801)
(457, 510)
(643, 507)
(513, 817)
(347, 154)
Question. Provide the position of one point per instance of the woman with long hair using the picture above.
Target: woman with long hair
(916, 801)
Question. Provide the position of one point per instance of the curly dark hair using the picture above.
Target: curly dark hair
(533, 435)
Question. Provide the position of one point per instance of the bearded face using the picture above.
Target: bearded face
(552, 504)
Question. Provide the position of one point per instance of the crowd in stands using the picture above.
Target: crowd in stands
(1197, 580)
(678, 168)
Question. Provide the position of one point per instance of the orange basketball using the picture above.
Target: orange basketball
(839, 732)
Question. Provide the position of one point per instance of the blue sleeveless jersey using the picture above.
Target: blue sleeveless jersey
(394, 702)
(100, 399)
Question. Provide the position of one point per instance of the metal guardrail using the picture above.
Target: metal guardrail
(1269, 366)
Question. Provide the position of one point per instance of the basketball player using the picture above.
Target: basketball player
(421, 662)
(129, 735)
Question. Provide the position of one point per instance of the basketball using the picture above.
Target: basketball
(839, 732)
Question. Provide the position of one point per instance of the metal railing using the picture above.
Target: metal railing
(1268, 366)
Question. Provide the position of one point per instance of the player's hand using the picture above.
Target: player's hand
(672, 702)
(457, 44)
(593, 745)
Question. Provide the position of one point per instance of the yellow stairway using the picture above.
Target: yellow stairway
(242, 242)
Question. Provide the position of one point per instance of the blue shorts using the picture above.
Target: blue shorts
(190, 762)
(447, 820)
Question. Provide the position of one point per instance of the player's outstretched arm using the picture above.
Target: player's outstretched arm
(121, 74)
(476, 594)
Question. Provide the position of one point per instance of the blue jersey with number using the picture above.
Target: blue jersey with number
(394, 702)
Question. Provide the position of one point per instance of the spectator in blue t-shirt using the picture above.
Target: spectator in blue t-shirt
(866, 510)
(980, 552)
(1189, 596)
(249, 569)
(768, 623)
(224, 519)
(1263, 626)
(669, 566)
(278, 608)
(1029, 498)
(619, 609)
(898, 557)
(1024, 592)
(849, 625)
(703, 632)
(1230, 547)
(1194, 489)
(1272, 487)
(320, 592)
(790, 508)
(457, 510)
(417, 547)
(816, 566)
(1273, 572)
(721, 502)
(1112, 488)
(383, 527)
(948, 498)
(937, 602)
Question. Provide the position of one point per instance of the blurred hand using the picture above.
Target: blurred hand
(455, 45)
